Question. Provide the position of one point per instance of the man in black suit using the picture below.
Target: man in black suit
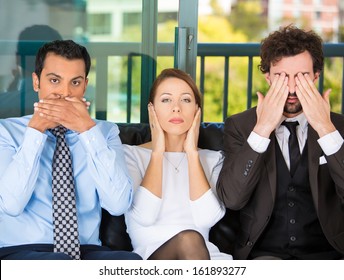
(291, 206)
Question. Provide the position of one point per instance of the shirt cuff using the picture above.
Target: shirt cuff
(93, 140)
(258, 143)
(331, 143)
(33, 141)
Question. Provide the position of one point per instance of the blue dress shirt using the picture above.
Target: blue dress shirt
(101, 180)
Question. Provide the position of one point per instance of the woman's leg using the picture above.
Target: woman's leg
(186, 245)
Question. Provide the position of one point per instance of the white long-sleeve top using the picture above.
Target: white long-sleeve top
(151, 220)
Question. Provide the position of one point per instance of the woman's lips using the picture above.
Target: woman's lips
(176, 121)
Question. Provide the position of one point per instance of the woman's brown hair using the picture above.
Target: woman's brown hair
(179, 74)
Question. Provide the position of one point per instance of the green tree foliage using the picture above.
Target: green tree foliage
(247, 17)
(244, 24)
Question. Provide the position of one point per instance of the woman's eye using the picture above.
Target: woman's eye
(166, 100)
(186, 100)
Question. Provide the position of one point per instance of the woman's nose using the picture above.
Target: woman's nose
(176, 108)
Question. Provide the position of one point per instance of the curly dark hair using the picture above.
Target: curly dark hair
(290, 41)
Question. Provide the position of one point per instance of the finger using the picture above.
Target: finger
(274, 82)
(75, 99)
(150, 115)
(326, 96)
(197, 119)
(55, 102)
(45, 108)
(307, 86)
(260, 98)
(310, 83)
(283, 91)
(278, 84)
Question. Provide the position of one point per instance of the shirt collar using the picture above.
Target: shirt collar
(301, 118)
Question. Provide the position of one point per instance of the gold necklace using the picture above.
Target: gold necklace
(176, 168)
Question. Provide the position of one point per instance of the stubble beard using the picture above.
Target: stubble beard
(292, 108)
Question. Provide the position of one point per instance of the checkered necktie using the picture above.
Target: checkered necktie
(64, 206)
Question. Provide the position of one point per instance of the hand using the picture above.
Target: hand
(39, 123)
(191, 141)
(315, 106)
(270, 108)
(158, 136)
(70, 112)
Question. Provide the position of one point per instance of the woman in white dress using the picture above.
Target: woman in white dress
(174, 203)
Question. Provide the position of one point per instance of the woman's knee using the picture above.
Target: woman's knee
(190, 237)
(191, 245)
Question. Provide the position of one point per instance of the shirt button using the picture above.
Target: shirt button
(292, 221)
(291, 188)
(249, 243)
(292, 238)
(291, 204)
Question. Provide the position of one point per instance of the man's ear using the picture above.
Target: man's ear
(316, 76)
(267, 78)
(35, 82)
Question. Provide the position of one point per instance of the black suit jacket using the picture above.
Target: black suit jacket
(247, 182)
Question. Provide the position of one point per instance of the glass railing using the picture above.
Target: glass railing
(127, 101)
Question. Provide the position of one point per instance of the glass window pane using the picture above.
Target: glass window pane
(111, 31)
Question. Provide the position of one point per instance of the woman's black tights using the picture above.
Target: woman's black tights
(186, 245)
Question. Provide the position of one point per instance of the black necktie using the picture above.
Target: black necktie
(66, 238)
(293, 144)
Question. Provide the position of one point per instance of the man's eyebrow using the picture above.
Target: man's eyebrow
(53, 74)
(58, 76)
(78, 77)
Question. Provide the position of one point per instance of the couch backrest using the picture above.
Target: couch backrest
(210, 135)
(113, 229)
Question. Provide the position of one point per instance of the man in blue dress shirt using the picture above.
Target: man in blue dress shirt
(26, 153)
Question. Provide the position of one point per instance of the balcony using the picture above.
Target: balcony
(101, 52)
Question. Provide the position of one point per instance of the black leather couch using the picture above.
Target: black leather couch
(113, 229)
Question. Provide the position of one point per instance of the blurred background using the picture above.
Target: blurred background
(131, 41)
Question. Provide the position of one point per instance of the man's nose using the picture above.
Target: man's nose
(65, 91)
(291, 84)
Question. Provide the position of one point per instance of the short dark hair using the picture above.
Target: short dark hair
(179, 74)
(290, 41)
(65, 48)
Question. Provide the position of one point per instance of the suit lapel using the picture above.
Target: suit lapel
(314, 153)
(270, 163)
